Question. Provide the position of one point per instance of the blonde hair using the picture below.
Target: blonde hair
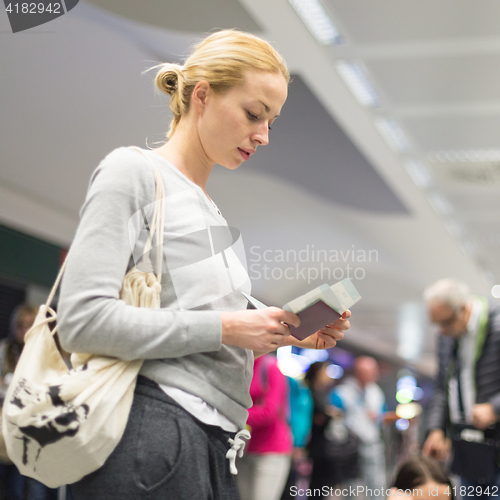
(21, 311)
(222, 59)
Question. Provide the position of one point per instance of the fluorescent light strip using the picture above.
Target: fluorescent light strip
(392, 134)
(318, 22)
(419, 174)
(410, 330)
(357, 82)
(465, 155)
(468, 248)
(489, 278)
(440, 204)
(454, 228)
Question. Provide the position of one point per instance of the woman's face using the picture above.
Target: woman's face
(25, 323)
(428, 491)
(232, 125)
(323, 381)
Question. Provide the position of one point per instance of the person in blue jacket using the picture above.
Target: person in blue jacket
(301, 413)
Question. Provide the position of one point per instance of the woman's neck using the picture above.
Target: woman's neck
(187, 155)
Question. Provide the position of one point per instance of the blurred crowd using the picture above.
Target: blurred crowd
(314, 436)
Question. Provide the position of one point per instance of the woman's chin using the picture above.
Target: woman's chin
(231, 165)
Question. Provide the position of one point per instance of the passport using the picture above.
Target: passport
(320, 307)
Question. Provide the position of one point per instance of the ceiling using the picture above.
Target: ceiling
(329, 181)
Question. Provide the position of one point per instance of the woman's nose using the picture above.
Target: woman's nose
(261, 136)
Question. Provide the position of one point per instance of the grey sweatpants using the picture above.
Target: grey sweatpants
(164, 454)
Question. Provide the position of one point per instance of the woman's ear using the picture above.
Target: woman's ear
(200, 95)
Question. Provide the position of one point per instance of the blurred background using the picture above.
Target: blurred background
(384, 165)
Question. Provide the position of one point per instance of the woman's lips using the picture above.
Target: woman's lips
(244, 154)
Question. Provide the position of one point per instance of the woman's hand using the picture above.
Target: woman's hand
(326, 337)
(260, 330)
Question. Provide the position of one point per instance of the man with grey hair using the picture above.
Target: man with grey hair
(466, 400)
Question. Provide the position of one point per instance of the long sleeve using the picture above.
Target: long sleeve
(271, 405)
(438, 407)
(488, 366)
(267, 418)
(92, 318)
(301, 412)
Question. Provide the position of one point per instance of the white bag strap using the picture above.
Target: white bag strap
(157, 225)
(56, 284)
(158, 222)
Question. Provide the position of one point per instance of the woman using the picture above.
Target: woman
(421, 477)
(12, 483)
(21, 320)
(263, 470)
(192, 394)
(334, 456)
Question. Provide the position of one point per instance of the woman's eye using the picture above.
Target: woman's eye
(254, 118)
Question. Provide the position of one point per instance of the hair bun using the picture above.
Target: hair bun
(167, 78)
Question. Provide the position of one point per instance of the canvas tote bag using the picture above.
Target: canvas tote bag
(60, 424)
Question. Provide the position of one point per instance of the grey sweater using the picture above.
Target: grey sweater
(202, 275)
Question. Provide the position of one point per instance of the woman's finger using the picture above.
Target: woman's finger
(283, 329)
(341, 324)
(335, 333)
(278, 339)
(327, 340)
(346, 314)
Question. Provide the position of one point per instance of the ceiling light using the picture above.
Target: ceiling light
(440, 204)
(454, 228)
(451, 156)
(357, 82)
(318, 22)
(468, 248)
(489, 279)
(410, 331)
(419, 174)
(465, 155)
(392, 134)
(495, 291)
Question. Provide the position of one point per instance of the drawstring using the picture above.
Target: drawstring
(237, 448)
